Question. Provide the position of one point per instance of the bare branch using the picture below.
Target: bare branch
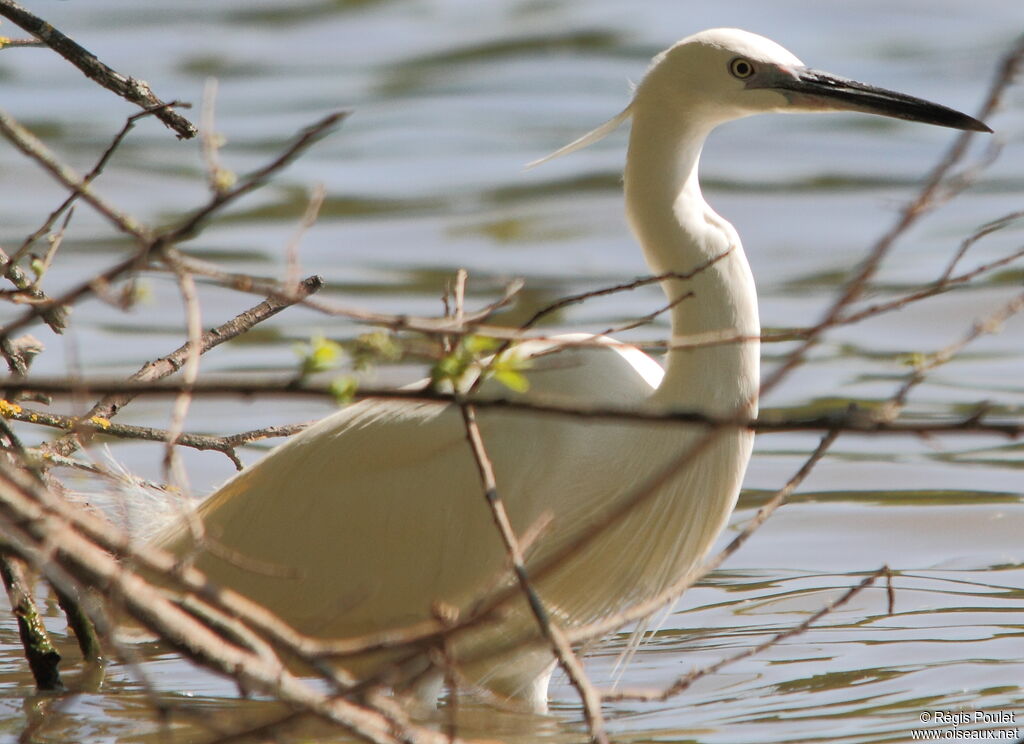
(555, 637)
(857, 421)
(131, 89)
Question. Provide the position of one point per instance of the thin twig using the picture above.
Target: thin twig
(108, 407)
(174, 472)
(80, 426)
(684, 682)
(990, 324)
(471, 322)
(970, 240)
(555, 637)
(129, 88)
(857, 421)
(931, 290)
(624, 287)
(6, 43)
(291, 252)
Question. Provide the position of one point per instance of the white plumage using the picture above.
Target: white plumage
(377, 511)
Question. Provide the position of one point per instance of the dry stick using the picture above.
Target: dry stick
(43, 658)
(309, 217)
(991, 324)
(6, 42)
(453, 298)
(97, 619)
(402, 322)
(930, 291)
(625, 287)
(926, 198)
(131, 89)
(194, 222)
(97, 469)
(559, 645)
(217, 177)
(684, 682)
(649, 317)
(55, 241)
(87, 427)
(173, 470)
(563, 651)
(855, 422)
(149, 243)
(472, 323)
(16, 358)
(108, 407)
(944, 284)
(58, 551)
(302, 142)
(970, 240)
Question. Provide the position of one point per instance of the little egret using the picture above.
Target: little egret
(376, 514)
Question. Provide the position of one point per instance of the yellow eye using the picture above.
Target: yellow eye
(741, 68)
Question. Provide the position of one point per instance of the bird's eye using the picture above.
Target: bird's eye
(741, 68)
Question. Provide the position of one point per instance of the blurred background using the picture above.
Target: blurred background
(450, 98)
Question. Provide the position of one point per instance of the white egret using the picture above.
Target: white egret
(376, 512)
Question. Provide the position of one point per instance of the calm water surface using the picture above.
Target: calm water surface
(450, 98)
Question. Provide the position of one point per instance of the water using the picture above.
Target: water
(450, 98)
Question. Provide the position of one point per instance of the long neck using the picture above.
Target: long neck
(679, 233)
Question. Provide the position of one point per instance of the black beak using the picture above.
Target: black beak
(819, 90)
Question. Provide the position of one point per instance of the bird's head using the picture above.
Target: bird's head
(725, 73)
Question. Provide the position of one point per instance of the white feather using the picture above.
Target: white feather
(587, 139)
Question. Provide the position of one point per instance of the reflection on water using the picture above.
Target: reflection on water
(451, 98)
